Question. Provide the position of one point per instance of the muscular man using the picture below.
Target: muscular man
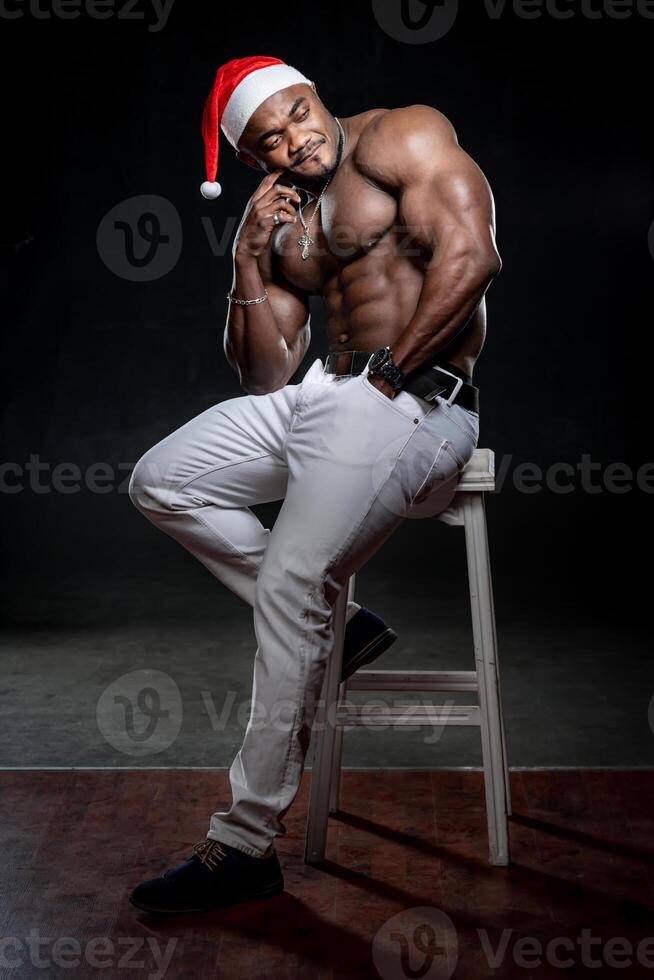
(385, 217)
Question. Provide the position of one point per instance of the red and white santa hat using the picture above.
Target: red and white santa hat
(240, 86)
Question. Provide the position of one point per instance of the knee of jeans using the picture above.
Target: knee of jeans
(147, 489)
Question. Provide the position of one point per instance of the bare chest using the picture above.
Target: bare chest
(353, 216)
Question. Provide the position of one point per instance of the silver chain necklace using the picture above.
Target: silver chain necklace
(305, 241)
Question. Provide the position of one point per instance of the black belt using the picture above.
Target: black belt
(427, 382)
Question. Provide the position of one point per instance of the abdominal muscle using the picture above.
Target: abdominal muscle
(369, 303)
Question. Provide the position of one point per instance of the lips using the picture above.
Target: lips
(312, 154)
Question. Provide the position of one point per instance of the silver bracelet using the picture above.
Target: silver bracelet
(246, 302)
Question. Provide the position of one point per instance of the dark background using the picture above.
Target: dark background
(98, 367)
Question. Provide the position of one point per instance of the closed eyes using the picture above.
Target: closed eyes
(301, 118)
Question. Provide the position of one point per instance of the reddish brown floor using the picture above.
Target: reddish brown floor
(74, 843)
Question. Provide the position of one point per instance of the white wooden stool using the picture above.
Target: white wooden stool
(468, 511)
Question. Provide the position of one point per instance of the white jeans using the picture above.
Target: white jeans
(350, 464)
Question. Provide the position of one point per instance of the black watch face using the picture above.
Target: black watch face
(378, 358)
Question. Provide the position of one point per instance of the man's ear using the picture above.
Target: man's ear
(246, 158)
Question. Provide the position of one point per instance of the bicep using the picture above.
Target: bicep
(443, 197)
(290, 306)
(293, 318)
(449, 204)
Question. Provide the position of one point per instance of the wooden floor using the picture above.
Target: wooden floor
(410, 844)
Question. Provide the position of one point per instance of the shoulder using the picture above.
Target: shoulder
(409, 137)
(409, 123)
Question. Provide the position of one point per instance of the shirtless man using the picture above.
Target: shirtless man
(405, 247)
(396, 233)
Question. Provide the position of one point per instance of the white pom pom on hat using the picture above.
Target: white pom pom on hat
(210, 189)
(239, 88)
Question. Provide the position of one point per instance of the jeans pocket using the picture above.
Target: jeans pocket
(441, 477)
(464, 419)
(300, 402)
(456, 455)
(409, 406)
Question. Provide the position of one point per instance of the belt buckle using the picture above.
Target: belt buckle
(335, 355)
(432, 395)
(457, 387)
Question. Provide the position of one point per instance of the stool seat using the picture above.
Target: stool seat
(479, 471)
(467, 509)
(478, 474)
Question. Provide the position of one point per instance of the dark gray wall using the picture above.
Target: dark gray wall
(99, 367)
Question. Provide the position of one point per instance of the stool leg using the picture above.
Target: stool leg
(505, 760)
(324, 735)
(485, 643)
(337, 756)
(507, 777)
(335, 783)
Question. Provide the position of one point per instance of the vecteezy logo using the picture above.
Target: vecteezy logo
(415, 21)
(140, 713)
(140, 239)
(419, 942)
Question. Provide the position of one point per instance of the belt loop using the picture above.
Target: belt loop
(457, 388)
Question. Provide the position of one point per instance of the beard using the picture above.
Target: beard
(328, 170)
(325, 172)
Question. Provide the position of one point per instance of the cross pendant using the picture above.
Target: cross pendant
(306, 241)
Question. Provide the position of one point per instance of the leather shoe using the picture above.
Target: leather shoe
(217, 875)
(366, 638)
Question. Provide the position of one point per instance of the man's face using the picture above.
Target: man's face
(293, 130)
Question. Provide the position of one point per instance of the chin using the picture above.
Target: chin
(323, 169)
(329, 171)
(317, 168)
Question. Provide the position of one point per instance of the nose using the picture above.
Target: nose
(298, 142)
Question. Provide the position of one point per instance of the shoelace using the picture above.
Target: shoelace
(210, 852)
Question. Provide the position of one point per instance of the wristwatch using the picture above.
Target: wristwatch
(381, 363)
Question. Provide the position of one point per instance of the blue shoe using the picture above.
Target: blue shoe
(215, 876)
(366, 638)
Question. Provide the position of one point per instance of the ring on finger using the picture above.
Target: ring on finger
(276, 218)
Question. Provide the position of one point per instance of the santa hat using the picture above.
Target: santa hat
(238, 90)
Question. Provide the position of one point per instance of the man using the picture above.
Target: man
(390, 221)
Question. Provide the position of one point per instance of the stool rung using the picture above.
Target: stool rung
(413, 680)
(407, 714)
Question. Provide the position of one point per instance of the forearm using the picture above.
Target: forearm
(451, 293)
(252, 335)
